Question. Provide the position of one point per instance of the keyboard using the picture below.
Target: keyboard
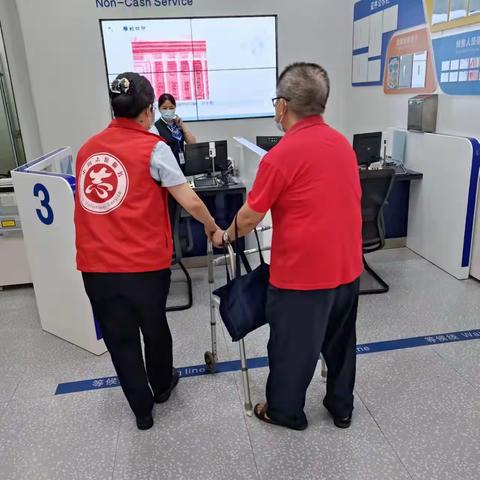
(399, 169)
(205, 182)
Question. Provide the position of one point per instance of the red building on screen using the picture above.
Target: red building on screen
(179, 68)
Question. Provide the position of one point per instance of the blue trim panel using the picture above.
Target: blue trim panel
(472, 203)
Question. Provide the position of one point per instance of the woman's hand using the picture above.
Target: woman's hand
(189, 138)
(217, 238)
(211, 230)
(179, 122)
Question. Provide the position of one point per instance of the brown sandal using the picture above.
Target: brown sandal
(260, 411)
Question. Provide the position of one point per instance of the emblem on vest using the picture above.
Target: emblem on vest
(103, 183)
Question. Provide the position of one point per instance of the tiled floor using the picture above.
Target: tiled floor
(427, 412)
(464, 359)
(417, 412)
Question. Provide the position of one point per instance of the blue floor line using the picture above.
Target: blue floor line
(262, 362)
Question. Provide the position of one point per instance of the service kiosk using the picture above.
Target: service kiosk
(45, 190)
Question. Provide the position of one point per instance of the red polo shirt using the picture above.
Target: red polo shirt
(310, 182)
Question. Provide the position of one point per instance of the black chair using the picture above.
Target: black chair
(175, 211)
(376, 187)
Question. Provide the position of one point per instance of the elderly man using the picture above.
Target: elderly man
(311, 184)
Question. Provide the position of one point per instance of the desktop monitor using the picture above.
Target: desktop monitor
(267, 143)
(198, 161)
(367, 146)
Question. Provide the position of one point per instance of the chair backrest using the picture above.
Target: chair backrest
(376, 186)
(182, 239)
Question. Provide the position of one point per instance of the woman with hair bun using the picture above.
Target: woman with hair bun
(124, 241)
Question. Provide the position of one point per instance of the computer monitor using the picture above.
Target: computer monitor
(198, 160)
(367, 146)
(267, 143)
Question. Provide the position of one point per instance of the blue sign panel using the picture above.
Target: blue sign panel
(457, 59)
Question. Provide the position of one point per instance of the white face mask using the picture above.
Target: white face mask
(167, 114)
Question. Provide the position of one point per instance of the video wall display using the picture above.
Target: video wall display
(217, 68)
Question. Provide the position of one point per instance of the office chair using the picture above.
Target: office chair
(376, 187)
(175, 212)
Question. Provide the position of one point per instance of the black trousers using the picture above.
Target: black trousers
(304, 324)
(125, 304)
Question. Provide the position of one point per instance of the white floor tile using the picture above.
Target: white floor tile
(63, 438)
(199, 434)
(464, 358)
(430, 416)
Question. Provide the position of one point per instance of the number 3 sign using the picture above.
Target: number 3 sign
(45, 213)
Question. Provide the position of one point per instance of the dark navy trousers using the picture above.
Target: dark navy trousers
(304, 324)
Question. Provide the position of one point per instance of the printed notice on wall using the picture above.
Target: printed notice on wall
(375, 22)
(409, 66)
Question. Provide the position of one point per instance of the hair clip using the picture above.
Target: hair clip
(115, 87)
(122, 85)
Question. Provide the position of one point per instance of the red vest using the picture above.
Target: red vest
(121, 214)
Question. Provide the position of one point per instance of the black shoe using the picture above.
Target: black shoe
(343, 422)
(163, 397)
(339, 422)
(145, 423)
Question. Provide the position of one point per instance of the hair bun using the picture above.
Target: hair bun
(130, 94)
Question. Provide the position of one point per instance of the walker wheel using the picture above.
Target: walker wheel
(210, 362)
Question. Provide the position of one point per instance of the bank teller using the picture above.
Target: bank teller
(172, 128)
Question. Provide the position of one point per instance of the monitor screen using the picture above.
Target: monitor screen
(216, 68)
(267, 143)
(198, 161)
(367, 146)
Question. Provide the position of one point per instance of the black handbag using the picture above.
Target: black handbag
(243, 298)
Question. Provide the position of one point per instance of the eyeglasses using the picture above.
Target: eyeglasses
(276, 99)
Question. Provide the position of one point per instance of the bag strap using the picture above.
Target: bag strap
(225, 251)
(238, 273)
(260, 254)
(241, 255)
(245, 262)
